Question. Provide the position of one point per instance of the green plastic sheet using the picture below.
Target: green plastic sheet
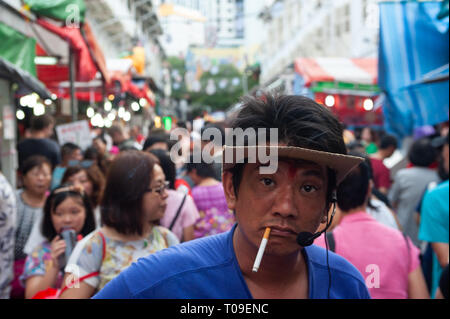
(18, 49)
(70, 11)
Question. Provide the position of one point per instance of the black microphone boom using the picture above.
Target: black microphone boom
(305, 239)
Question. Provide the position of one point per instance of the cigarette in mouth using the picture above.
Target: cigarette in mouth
(261, 249)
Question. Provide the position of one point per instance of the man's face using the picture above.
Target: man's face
(389, 151)
(49, 130)
(76, 155)
(290, 201)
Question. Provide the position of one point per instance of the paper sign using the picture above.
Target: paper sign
(8, 123)
(76, 132)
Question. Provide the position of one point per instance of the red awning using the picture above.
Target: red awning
(85, 66)
(357, 71)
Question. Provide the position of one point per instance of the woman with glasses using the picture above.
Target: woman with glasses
(36, 174)
(181, 213)
(133, 202)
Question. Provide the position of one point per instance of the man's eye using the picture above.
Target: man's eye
(267, 181)
(309, 188)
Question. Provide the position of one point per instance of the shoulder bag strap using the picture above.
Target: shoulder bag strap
(331, 242)
(178, 213)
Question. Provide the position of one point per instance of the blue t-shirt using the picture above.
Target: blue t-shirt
(434, 225)
(207, 268)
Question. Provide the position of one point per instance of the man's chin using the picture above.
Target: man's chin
(280, 249)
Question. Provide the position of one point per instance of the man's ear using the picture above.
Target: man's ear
(325, 214)
(328, 209)
(227, 182)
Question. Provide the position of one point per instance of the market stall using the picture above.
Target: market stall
(347, 86)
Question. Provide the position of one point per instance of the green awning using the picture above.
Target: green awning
(63, 10)
(18, 49)
(342, 86)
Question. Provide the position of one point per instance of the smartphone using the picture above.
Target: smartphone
(70, 237)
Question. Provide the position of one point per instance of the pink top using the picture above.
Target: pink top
(380, 253)
(188, 215)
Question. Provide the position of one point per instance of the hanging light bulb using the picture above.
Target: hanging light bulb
(143, 102)
(90, 112)
(39, 109)
(135, 106)
(20, 114)
(127, 116)
(111, 116)
(329, 101)
(368, 105)
(108, 106)
(121, 111)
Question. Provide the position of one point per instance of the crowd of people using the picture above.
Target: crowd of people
(125, 198)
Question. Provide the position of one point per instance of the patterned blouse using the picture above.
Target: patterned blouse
(37, 263)
(8, 214)
(88, 257)
(215, 217)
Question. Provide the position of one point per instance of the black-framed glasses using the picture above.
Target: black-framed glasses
(160, 189)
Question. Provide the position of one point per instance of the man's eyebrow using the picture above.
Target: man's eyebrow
(313, 172)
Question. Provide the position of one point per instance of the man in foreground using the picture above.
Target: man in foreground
(294, 200)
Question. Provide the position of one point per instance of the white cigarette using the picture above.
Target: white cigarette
(261, 249)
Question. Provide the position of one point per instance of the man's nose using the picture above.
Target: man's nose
(285, 202)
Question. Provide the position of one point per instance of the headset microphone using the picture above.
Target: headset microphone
(305, 239)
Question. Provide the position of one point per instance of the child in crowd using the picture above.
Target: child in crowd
(67, 207)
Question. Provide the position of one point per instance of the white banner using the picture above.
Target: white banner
(76, 132)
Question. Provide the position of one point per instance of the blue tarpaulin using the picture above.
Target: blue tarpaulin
(413, 65)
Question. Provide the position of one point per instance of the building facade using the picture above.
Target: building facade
(120, 25)
(316, 28)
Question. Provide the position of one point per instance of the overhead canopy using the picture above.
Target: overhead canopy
(23, 22)
(413, 68)
(58, 9)
(27, 83)
(355, 71)
(18, 49)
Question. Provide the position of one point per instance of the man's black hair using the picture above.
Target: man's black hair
(155, 139)
(100, 137)
(91, 153)
(203, 169)
(300, 121)
(387, 141)
(38, 123)
(352, 192)
(214, 126)
(68, 148)
(422, 153)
